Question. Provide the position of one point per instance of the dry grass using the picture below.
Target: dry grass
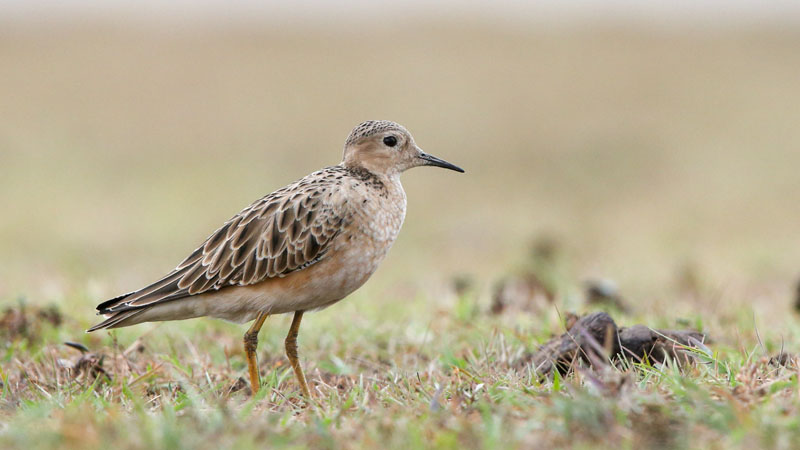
(666, 161)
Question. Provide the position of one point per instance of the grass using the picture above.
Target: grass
(665, 161)
(449, 380)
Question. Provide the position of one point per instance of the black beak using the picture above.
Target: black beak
(431, 160)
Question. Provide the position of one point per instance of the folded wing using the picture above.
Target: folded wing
(284, 232)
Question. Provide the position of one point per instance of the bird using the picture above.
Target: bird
(303, 247)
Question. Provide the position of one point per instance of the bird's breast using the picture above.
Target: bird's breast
(380, 214)
(377, 217)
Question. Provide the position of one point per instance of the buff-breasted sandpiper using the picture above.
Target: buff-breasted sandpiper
(303, 247)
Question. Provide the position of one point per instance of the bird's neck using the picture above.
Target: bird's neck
(373, 176)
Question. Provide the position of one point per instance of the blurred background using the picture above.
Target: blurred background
(655, 144)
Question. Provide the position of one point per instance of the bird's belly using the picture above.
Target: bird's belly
(346, 269)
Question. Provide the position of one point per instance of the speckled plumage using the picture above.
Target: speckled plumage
(302, 247)
(371, 127)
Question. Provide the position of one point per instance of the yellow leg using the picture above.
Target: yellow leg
(291, 353)
(250, 345)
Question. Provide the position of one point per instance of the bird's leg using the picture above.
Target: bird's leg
(250, 345)
(291, 353)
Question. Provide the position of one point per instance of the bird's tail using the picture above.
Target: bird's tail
(118, 319)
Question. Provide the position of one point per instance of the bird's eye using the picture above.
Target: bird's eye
(390, 141)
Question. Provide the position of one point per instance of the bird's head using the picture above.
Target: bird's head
(387, 148)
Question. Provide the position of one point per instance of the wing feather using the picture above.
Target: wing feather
(288, 230)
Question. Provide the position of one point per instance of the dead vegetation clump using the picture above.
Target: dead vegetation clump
(87, 367)
(25, 321)
(604, 292)
(595, 339)
(784, 359)
(533, 289)
(524, 293)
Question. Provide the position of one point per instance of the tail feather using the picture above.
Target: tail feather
(108, 303)
(117, 320)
